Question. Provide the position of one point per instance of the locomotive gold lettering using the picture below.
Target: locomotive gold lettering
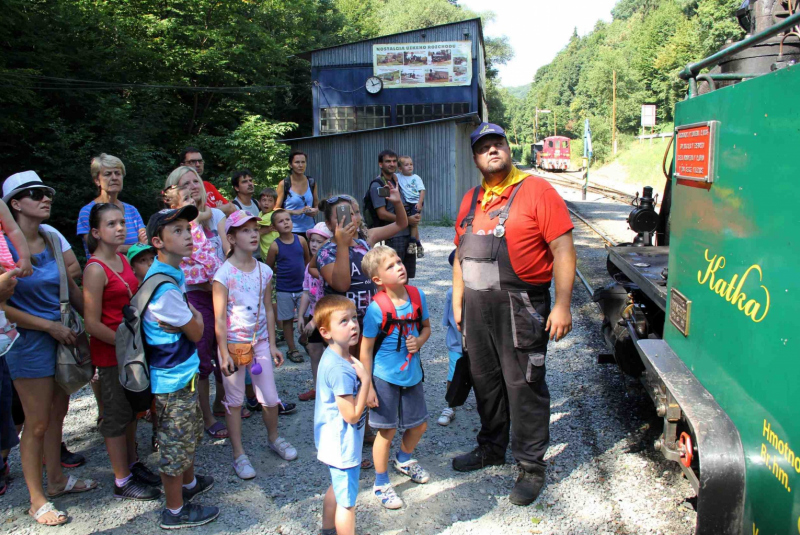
(731, 291)
(782, 447)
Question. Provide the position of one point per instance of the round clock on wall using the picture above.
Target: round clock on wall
(374, 85)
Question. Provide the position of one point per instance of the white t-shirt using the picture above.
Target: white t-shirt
(252, 207)
(410, 186)
(170, 308)
(65, 246)
(216, 217)
(243, 301)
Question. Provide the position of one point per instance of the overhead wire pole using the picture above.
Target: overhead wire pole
(587, 156)
(614, 115)
(536, 122)
(555, 123)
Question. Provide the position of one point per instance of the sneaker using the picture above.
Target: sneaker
(253, 405)
(476, 459)
(136, 490)
(311, 395)
(412, 469)
(284, 449)
(286, 408)
(243, 467)
(420, 251)
(388, 497)
(448, 415)
(412, 248)
(69, 459)
(145, 475)
(204, 483)
(190, 516)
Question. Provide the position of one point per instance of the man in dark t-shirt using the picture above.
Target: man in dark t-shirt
(387, 161)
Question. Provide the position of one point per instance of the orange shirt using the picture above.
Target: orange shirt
(537, 217)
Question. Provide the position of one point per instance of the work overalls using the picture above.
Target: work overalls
(503, 321)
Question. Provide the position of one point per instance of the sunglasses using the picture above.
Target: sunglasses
(334, 200)
(193, 162)
(37, 194)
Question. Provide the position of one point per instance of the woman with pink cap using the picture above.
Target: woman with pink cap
(245, 329)
(313, 291)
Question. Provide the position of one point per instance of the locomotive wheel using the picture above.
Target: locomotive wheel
(686, 449)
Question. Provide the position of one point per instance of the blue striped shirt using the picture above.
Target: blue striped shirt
(133, 222)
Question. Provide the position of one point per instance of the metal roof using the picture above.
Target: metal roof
(473, 116)
(392, 37)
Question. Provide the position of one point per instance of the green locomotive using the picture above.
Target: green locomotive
(707, 317)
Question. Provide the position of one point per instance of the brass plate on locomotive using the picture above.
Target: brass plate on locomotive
(680, 311)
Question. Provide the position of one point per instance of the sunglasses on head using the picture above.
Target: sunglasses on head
(338, 198)
(37, 194)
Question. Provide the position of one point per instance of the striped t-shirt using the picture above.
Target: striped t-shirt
(133, 222)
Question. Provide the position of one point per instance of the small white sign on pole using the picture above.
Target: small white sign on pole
(648, 115)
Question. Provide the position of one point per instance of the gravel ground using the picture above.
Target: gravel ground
(603, 475)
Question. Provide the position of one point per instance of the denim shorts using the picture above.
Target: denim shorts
(399, 407)
(345, 484)
(33, 355)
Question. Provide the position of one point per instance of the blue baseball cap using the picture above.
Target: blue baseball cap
(486, 129)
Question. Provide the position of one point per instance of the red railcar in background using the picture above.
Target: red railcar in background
(552, 153)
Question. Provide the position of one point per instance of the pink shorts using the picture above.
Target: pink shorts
(263, 383)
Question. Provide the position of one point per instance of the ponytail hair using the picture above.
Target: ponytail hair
(95, 216)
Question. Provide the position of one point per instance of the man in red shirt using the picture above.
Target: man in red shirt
(513, 235)
(191, 157)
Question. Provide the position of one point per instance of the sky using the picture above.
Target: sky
(537, 29)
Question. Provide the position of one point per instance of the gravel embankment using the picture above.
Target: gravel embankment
(603, 475)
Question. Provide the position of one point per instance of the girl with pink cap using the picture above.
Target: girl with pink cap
(245, 329)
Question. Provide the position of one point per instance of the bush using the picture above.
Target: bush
(253, 145)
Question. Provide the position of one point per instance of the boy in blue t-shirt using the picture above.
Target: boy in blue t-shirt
(172, 327)
(340, 412)
(397, 374)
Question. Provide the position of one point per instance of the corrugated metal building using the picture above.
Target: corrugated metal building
(431, 124)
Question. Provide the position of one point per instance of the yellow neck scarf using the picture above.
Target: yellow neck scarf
(490, 192)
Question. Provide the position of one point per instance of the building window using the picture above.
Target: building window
(373, 117)
(334, 120)
(350, 118)
(415, 113)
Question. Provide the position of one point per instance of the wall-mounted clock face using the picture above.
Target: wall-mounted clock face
(374, 85)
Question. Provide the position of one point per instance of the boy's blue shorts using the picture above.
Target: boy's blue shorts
(454, 356)
(399, 407)
(345, 484)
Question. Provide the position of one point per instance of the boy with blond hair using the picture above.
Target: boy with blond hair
(340, 412)
(396, 326)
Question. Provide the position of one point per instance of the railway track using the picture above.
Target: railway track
(573, 180)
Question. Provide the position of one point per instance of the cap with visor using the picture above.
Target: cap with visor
(165, 217)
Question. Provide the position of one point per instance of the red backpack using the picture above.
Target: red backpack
(390, 322)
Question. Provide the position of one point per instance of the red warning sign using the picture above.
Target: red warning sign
(694, 151)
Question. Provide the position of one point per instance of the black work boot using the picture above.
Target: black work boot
(529, 484)
(476, 459)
